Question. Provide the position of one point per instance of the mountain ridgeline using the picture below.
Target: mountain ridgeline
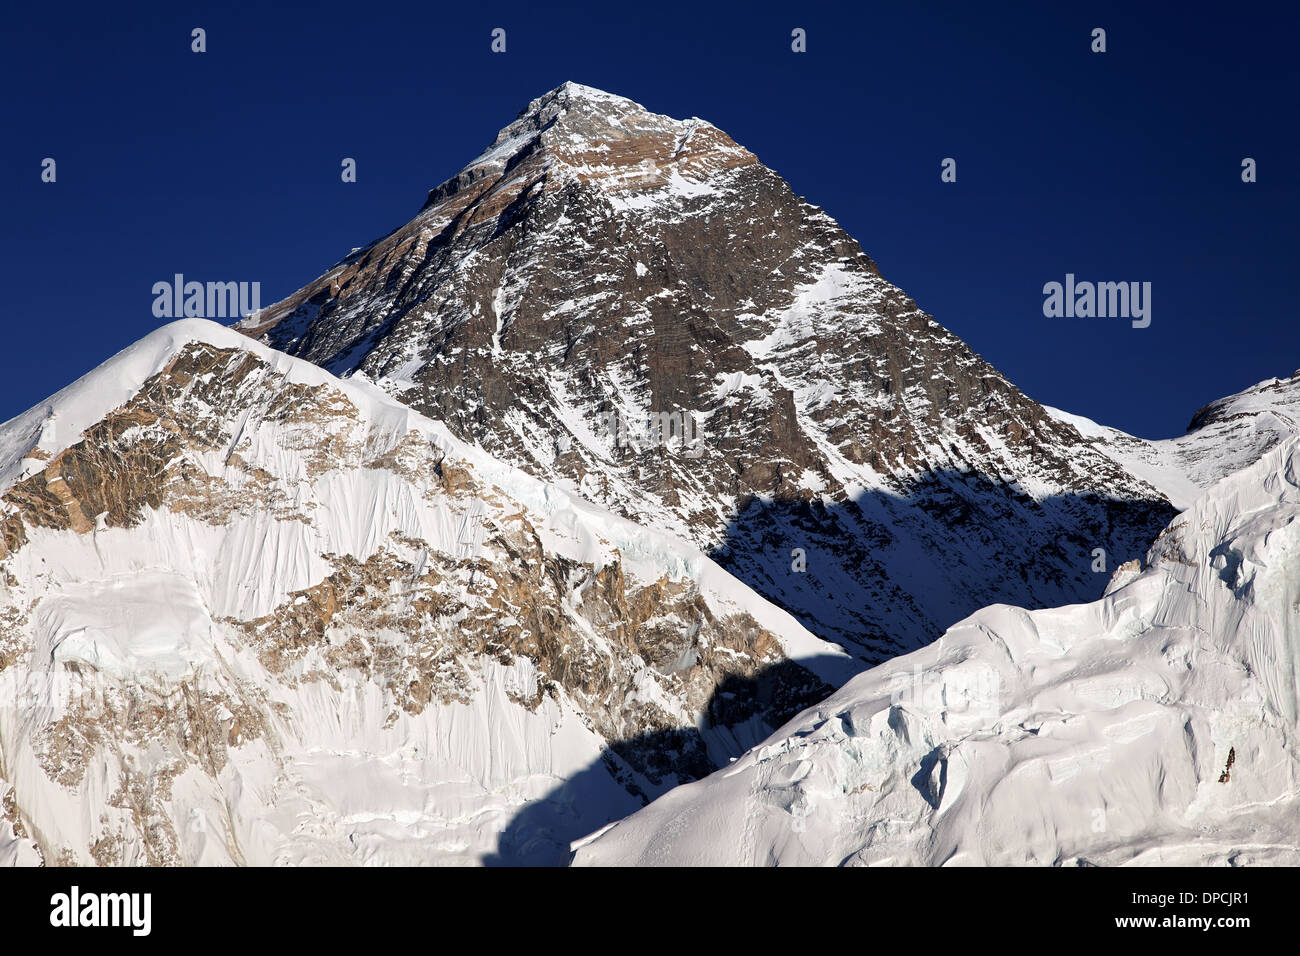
(575, 489)
(852, 460)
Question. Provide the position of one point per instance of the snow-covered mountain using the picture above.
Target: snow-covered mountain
(251, 613)
(399, 574)
(1155, 726)
(600, 265)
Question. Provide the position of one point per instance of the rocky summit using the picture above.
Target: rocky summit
(636, 308)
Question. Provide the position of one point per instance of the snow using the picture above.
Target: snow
(1244, 427)
(141, 626)
(359, 517)
(1085, 426)
(1001, 743)
(1089, 733)
(836, 285)
(340, 775)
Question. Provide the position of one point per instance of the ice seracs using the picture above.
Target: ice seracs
(1155, 726)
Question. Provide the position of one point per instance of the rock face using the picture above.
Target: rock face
(251, 613)
(600, 267)
(1155, 726)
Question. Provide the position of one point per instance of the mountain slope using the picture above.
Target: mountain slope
(633, 306)
(251, 613)
(1155, 726)
(1223, 437)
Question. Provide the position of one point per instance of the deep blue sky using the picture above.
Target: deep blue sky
(1122, 166)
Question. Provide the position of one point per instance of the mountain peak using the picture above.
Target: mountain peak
(571, 115)
(569, 102)
(577, 131)
(602, 265)
(570, 94)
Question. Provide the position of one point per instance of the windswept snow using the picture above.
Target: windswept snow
(1224, 437)
(235, 677)
(575, 526)
(1155, 726)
